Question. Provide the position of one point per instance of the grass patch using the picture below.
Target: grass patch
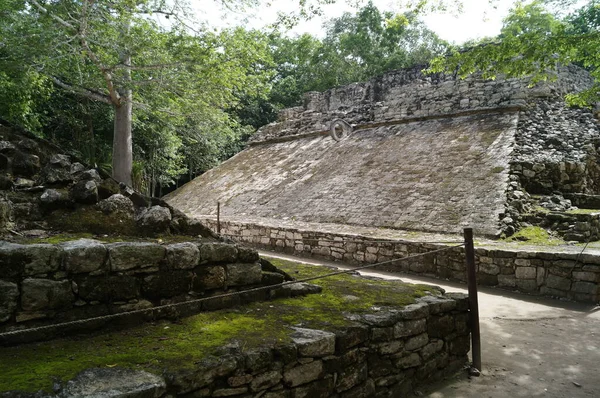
(535, 236)
(583, 211)
(167, 345)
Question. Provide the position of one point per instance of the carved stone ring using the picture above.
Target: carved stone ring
(339, 128)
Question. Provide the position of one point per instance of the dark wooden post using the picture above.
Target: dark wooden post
(219, 218)
(473, 301)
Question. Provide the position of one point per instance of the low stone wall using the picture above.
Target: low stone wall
(579, 227)
(554, 274)
(386, 353)
(44, 284)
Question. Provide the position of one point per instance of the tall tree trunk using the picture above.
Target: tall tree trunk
(122, 158)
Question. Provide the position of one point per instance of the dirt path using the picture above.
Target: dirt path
(531, 347)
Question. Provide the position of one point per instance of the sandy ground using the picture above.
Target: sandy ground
(531, 347)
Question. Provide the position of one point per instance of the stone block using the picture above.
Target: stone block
(303, 374)
(409, 361)
(265, 380)
(414, 311)
(217, 252)
(166, 284)
(209, 278)
(115, 382)
(9, 295)
(557, 282)
(107, 289)
(410, 328)
(527, 285)
(84, 256)
(585, 287)
(507, 281)
(243, 274)
(45, 294)
(351, 377)
(133, 255)
(313, 343)
(440, 326)
(417, 342)
(525, 272)
(184, 255)
(317, 389)
(490, 269)
(28, 260)
(432, 348)
(586, 276)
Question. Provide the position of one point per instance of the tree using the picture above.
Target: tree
(116, 53)
(534, 41)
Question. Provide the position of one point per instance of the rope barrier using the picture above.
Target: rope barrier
(204, 299)
(356, 241)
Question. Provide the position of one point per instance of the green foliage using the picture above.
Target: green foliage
(534, 41)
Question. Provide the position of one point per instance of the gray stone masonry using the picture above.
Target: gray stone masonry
(554, 274)
(365, 358)
(428, 153)
(44, 284)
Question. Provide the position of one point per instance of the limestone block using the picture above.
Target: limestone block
(130, 255)
(417, 342)
(182, 255)
(25, 260)
(313, 343)
(585, 287)
(408, 361)
(243, 274)
(154, 220)
(303, 374)
(217, 252)
(410, 328)
(84, 255)
(45, 294)
(115, 382)
(525, 272)
(167, 284)
(108, 288)
(557, 282)
(265, 380)
(209, 278)
(9, 295)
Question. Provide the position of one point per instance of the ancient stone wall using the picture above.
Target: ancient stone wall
(44, 284)
(384, 353)
(554, 274)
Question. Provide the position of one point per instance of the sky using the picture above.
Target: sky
(478, 19)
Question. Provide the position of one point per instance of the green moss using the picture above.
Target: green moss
(166, 345)
(583, 211)
(90, 219)
(535, 236)
(497, 170)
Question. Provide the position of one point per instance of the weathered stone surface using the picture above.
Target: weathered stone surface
(45, 294)
(53, 199)
(85, 192)
(109, 288)
(23, 260)
(556, 282)
(208, 278)
(204, 373)
(131, 255)
(155, 219)
(243, 274)
(183, 255)
(114, 382)
(217, 252)
(119, 205)
(410, 328)
(9, 295)
(167, 284)
(416, 342)
(303, 374)
(525, 272)
(313, 343)
(84, 256)
(265, 380)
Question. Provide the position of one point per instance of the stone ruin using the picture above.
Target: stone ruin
(126, 271)
(421, 152)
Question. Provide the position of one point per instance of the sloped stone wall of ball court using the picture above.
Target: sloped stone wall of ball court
(428, 153)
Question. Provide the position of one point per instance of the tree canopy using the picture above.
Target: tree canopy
(535, 39)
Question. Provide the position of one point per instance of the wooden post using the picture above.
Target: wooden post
(219, 218)
(473, 301)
